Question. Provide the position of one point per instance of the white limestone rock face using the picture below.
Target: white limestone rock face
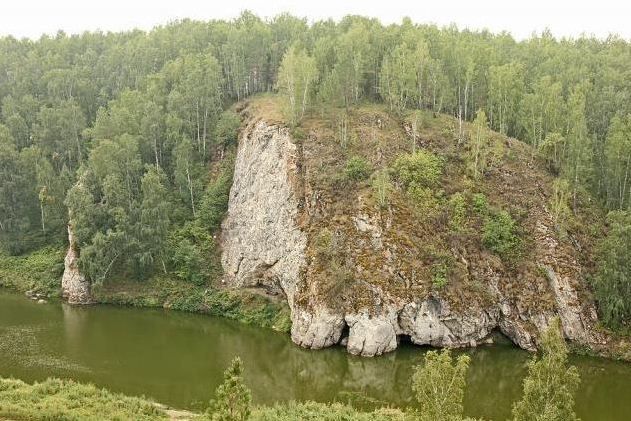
(431, 322)
(371, 335)
(262, 243)
(75, 288)
(316, 328)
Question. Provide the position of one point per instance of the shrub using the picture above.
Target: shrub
(439, 275)
(357, 169)
(480, 204)
(499, 235)
(55, 399)
(214, 203)
(424, 199)
(559, 201)
(421, 168)
(457, 211)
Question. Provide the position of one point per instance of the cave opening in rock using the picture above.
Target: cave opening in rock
(404, 340)
(345, 333)
(499, 338)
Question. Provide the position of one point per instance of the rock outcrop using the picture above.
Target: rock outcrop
(262, 242)
(277, 208)
(75, 288)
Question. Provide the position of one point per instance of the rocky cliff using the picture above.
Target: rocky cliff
(359, 274)
(75, 288)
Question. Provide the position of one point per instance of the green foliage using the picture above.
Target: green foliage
(214, 203)
(424, 199)
(551, 150)
(314, 411)
(418, 173)
(165, 291)
(618, 144)
(296, 79)
(499, 235)
(457, 212)
(480, 204)
(439, 275)
(227, 128)
(550, 385)
(357, 169)
(192, 253)
(419, 169)
(612, 282)
(382, 187)
(439, 385)
(66, 400)
(39, 271)
(479, 148)
(232, 399)
(559, 207)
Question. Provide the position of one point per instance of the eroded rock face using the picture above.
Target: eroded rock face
(372, 335)
(316, 328)
(265, 239)
(75, 288)
(262, 244)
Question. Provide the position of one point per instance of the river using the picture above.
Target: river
(178, 359)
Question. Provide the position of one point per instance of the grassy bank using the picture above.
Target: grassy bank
(55, 399)
(166, 292)
(41, 271)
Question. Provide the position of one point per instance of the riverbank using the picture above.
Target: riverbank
(65, 399)
(39, 274)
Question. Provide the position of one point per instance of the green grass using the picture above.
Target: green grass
(40, 270)
(308, 411)
(55, 399)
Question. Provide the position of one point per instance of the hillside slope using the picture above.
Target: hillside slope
(375, 229)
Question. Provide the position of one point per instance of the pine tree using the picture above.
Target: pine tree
(232, 398)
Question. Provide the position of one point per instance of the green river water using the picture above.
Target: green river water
(178, 359)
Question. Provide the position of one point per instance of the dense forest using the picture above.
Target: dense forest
(131, 135)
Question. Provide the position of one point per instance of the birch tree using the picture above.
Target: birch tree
(296, 78)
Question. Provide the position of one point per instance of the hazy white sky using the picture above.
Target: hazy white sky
(31, 18)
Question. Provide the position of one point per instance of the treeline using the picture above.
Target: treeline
(121, 129)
